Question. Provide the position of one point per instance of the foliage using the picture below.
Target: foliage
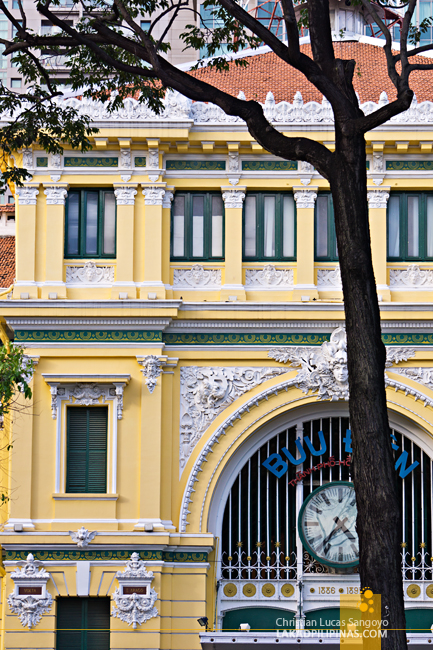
(15, 374)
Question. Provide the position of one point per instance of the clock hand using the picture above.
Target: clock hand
(339, 525)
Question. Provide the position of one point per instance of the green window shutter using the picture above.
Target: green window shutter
(86, 469)
(83, 624)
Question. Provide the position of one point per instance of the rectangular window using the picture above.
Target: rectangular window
(90, 224)
(324, 229)
(145, 25)
(269, 227)
(83, 623)
(86, 461)
(410, 226)
(197, 227)
(15, 83)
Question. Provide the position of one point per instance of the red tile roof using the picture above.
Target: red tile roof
(267, 72)
(7, 261)
(8, 208)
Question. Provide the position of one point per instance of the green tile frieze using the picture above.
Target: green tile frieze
(88, 336)
(91, 161)
(93, 555)
(196, 165)
(409, 165)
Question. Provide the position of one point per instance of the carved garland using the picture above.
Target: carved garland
(85, 394)
(135, 598)
(30, 599)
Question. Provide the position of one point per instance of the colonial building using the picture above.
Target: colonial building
(178, 289)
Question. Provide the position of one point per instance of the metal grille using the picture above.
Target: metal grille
(259, 535)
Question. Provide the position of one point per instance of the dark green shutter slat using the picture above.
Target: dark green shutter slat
(90, 617)
(87, 450)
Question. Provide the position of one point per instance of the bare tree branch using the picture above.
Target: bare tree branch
(291, 28)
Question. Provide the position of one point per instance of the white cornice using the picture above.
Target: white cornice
(90, 323)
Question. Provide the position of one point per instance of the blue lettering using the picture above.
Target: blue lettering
(292, 459)
(323, 446)
(278, 468)
(394, 443)
(401, 462)
(348, 441)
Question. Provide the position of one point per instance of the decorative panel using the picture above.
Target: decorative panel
(269, 165)
(196, 165)
(91, 161)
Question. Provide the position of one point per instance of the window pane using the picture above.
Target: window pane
(394, 227)
(217, 226)
(288, 226)
(412, 226)
(250, 226)
(322, 226)
(109, 223)
(179, 226)
(73, 219)
(92, 223)
(429, 246)
(198, 226)
(269, 226)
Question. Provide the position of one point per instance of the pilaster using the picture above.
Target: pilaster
(125, 201)
(54, 240)
(233, 287)
(166, 231)
(305, 287)
(152, 286)
(25, 284)
(377, 202)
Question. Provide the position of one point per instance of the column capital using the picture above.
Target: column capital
(153, 194)
(233, 198)
(305, 197)
(56, 194)
(27, 195)
(168, 198)
(125, 194)
(378, 198)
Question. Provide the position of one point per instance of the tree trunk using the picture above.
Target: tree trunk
(379, 521)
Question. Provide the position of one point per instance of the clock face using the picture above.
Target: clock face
(327, 525)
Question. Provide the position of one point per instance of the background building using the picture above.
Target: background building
(179, 290)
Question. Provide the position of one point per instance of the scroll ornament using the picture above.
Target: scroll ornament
(137, 605)
(30, 608)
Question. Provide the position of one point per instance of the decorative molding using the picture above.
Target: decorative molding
(88, 336)
(30, 599)
(151, 369)
(206, 391)
(82, 537)
(89, 273)
(86, 394)
(153, 159)
(378, 166)
(95, 553)
(91, 161)
(28, 158)
(125, 159)
(410, 165)
(329, 278)
(136, 606)
(195, 165)
(269, 276)
(423, 375)
(233, 162)
(125, 196)
(269, 165)
(55, 195)
(56, 160)
(305, 198)
(26, 195)
(324, 371)
(412, 277)
(140, 161)
(377, 199)
(153, 195)
(168, 198)
(197, 277)
(42, 162)
(233, 199)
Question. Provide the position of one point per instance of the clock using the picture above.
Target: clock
(326, 525)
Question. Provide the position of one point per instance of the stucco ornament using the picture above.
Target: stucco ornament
(82, 537)
(125, 196)
(378, 163)
(125, 159)
(89, 273)
(153, 158)
(206, 391)
(377, 199)
(28, 158)
(26, 195)
(197, 277)
(151, 368)
(135, 607)
(323, 370)
(153, 195)
(423, 376)
(329, 278)
(56, 160)
(233, 162)
(269, 276)
(55, 195)
(233, 198)
(86, 394)
(30, 608)
(305, 199)
(413, 276)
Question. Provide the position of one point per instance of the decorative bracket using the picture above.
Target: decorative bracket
(82, 537)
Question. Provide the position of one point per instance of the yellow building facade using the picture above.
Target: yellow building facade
(178, 289)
